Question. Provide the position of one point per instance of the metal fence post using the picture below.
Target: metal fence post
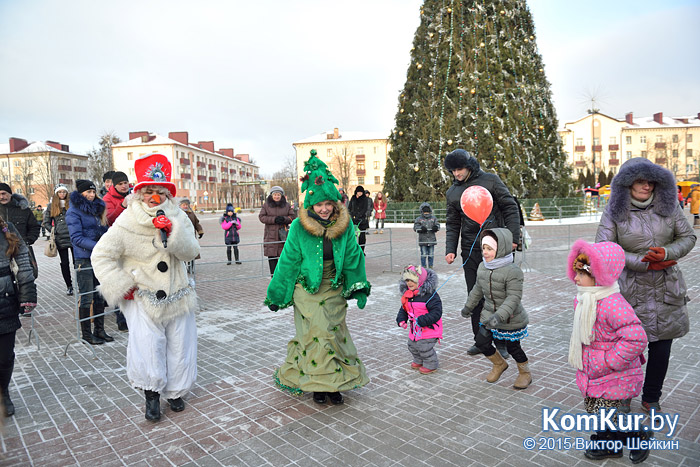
(391, 249)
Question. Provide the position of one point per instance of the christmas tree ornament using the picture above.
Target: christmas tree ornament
(430, 83)
(449, 10)
(472, 90)
(449, 142)
(416, 168)
(401, 111)
(419, 66)
(400, 133)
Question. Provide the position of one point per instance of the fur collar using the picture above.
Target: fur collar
(18, 200)
(94, 208)
(428, 286)
(665, 193)
(341, 217)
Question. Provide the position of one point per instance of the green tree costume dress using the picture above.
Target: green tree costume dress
(321, 357)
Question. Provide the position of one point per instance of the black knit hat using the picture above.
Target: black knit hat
(108, 175)
(359, 189)
(5, 187)
(118, 177)
(84, 185)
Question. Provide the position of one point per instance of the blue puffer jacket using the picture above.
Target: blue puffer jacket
(84, 224)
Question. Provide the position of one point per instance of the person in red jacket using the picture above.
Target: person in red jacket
(115, 197)
(115, 202)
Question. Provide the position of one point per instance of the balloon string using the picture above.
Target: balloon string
(464, 263)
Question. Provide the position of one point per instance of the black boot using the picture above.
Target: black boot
(501, 347)
(336, 398)
(177, 405)
(602, 437)
(638, 456)
(228, 255)
(235, 255)
(320, 397)
(5, 377)
(88, 336)
(152, 406)
(100, 329)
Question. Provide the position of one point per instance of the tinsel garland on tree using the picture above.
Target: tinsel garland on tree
(476, 81)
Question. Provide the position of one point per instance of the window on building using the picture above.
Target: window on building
(360, 180)
(688, 168)
(628, 140)
(579, 141)
(360, 150)
(596, 141)
(17, 163)
(688, 153)
(613, 154)
(31, 190)
(377, 165)
(130, 156)
(329, 153)
(613, 140)
(659, 138)
(132, 172)
(642, 139)
(5, 178)
(377, 180)
(689, 137)
(628, 154)
(360, 165)
(375, 149)
(675, 153)
(644, 154)
(17, 178)
(4, 164)
(29, 162)
(674, 138)
(19, 190)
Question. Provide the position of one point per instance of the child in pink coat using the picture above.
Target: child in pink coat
(607, 339)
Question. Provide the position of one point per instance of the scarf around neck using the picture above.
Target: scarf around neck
(499, 262)
(324, 222)
(584, 319)
(642, 204)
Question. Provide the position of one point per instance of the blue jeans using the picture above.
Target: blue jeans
(426, 255)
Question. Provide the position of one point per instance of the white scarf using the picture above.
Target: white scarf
(584, 319)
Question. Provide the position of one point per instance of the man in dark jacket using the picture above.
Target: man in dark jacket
(467, 172)
(15, 208)
(360, 208)
(107, 180)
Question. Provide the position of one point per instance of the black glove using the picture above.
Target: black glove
(200, 234)
(423, 229)
(279, 220)
(435, 228)
(273, 307)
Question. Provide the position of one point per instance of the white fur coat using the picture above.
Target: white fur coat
(131, 254)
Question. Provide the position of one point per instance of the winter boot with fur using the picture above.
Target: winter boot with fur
(524, 378)
(88, 336)
(499, 366)
(152, 405)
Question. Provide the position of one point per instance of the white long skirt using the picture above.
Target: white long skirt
(161, 357)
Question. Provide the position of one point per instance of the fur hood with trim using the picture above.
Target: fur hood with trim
(427, 287)
(639, 168)
(312, 226)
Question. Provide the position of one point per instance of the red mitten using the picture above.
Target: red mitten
(655, 254)
(162, 222)
(659, 265)
(130, 294)
(403, 324)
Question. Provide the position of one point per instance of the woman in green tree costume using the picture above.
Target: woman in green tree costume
(320, 268)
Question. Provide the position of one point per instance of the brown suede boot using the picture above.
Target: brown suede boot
(524, 379)
(499, 366)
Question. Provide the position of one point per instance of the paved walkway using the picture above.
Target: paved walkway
(76, 410)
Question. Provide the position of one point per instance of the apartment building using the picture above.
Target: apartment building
(209, 177)
(355, 158)
(598, 142)
(34, 169)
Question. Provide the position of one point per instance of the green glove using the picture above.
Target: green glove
(361, 298)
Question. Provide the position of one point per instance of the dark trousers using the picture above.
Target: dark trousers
(228, 252)
(273, 264)
(376, 223)
(65, 265)
(485, 340)
(470, 277)
(657, 365)
(87, 284)
(7, 359)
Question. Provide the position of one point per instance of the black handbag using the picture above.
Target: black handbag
(282, 233)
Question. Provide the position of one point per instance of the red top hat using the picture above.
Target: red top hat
(153, 169)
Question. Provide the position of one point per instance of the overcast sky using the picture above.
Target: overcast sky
(257, 76)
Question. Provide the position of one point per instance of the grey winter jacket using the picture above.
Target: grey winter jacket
(501, 288)
(25, 292)
(658, 297)
(426, 225)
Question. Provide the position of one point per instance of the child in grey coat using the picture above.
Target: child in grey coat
(426, 225)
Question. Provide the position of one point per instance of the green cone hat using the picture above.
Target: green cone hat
(318, 182)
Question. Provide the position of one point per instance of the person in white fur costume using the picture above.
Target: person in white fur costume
(148, 280)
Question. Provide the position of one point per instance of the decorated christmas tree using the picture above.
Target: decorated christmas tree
(476, 81)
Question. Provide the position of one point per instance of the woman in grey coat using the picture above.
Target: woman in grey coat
(644, 218)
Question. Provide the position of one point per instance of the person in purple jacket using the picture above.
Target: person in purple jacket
(231, 225)
(421, 313)
(607, 341)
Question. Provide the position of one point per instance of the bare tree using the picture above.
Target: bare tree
(342, 164)
(287, 179)
(46, 174)
(100, 159)
(25, 172)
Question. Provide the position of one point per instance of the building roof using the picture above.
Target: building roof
(668, 122)
(345, 136)
(36, 146)
(162, 140)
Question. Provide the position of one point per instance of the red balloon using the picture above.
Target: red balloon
(477, 203)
